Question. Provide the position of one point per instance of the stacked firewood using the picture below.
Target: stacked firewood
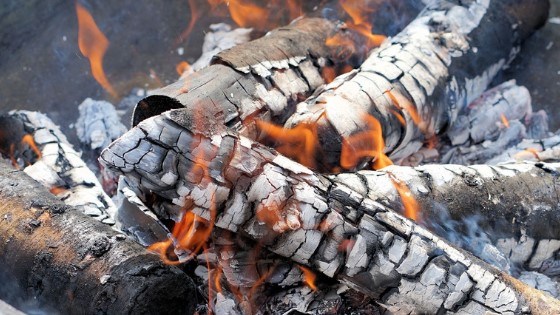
(252, 172)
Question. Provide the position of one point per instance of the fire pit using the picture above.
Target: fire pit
(344, 157)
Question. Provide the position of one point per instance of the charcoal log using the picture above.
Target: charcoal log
(69, 262)
(250, 189)
(417, 83)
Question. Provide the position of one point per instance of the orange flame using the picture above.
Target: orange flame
(195, 15)
(411, 207)
(192, 231)
(217, 277)
(93, 45)
(28, 139)
(402, 102)
(359, 23)
(182, 67)
(527, 154)
(366, 144)
(308, 277)
(298, 143)
(245, 13)
(505, 121)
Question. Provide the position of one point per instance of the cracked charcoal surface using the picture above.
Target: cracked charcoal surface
(61, 167)
(315, 219)
(429, 65)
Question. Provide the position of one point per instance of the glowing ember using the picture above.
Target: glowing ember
(308, 277)
(505, 121)
(411, 207)
(57, 190)
(527, 154)
(298, 143)
(93, 45)
(182, 67)
(366, 144)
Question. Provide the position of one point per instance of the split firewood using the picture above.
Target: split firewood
(233, 183)
(417, 83)
(42, 150)
(74, 264)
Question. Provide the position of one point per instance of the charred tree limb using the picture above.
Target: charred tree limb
(297, 214)
(434, 68)
(74, 264)
(257, 79)
(51, 160)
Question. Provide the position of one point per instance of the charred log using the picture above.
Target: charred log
(418, 82)
(298, 214)
(44, 153)
(68, 261)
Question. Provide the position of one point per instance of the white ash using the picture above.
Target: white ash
(62, 168)
(220, 37)
(98, 124)
(540, 282)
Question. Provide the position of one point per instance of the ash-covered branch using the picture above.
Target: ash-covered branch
(55, 164)
(417, 83)
(298, 214)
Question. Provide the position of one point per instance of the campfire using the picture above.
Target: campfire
(330, 157)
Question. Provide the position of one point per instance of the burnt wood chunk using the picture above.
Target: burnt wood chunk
(71, 263)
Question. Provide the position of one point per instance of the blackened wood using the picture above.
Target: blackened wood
(307, 218)
(442, 61)
(74, 264)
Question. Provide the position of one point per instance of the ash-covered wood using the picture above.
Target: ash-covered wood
(257, 79)
(434, 68)
(69, 262)
(99, 124)
(297, 214)
(54, 163)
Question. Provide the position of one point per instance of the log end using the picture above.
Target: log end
(142, 285)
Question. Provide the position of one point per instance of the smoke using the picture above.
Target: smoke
(468, 233)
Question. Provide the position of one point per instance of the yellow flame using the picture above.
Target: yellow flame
(93, 45)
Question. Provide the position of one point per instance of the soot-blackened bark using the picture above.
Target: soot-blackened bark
(310, 219)
(435, 67)
(72, 263)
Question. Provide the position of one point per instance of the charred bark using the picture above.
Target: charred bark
(301, 215)
(71, 263)
(434, 68)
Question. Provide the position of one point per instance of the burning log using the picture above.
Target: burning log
(74, 264)
(257, 79)
(49, 158)
(418, 82)
(230, 182)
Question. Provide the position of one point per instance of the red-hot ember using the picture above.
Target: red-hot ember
(182, 67)
(504, 120)
(93, 44)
